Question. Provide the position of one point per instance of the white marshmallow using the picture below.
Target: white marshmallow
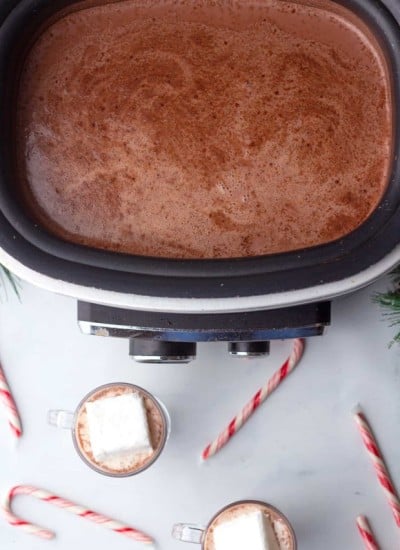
(118, 426)
(251, 531)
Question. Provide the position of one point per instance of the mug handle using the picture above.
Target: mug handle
(60, 419)
(187, 532)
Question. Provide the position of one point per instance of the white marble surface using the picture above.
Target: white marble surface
(301, 451)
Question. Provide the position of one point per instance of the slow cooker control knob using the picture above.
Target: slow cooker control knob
(248, 349)
(148, 350)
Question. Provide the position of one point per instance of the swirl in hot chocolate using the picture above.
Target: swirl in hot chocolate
(199, 129)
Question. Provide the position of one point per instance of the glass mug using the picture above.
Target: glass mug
(158, 421)
(204, 535)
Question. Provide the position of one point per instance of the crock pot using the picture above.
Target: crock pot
(212, 287)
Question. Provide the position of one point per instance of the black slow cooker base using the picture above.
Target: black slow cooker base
(170, 337)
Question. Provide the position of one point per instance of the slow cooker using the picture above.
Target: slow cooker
(165, 306)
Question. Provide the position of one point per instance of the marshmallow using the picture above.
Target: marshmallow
(118, 426)
(250, 530)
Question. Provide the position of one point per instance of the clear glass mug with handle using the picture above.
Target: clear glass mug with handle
(197, 534)
(158, 422)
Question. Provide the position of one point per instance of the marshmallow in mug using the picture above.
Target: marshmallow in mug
(253, 530)
(118, 426)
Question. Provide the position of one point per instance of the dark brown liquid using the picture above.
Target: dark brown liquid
(199, 129)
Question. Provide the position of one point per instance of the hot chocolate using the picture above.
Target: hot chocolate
(116, 445)
(281, 538)
(199, 129)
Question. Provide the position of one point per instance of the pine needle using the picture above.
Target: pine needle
(390, 303)
(11, 279)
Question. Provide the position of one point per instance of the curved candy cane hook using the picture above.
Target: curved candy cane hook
(71, 507)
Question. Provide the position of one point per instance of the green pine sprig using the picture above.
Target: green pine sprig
(390, 303)
(7, 277)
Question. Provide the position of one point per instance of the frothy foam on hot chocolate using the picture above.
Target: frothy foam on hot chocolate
(201, 129)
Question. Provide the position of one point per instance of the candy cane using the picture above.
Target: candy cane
(379, 464)
(11, 408)
(366, 533)
(255, 402)
(105, 521)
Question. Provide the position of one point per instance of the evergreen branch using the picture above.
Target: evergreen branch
(390, 303)
(389, 300)
(12, 280)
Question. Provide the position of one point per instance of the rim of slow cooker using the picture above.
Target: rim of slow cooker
(42, 252)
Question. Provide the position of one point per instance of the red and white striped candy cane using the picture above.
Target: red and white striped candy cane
(262, 394)
(379, 464)
(10, 406)
(366, 533)
(69, 506)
